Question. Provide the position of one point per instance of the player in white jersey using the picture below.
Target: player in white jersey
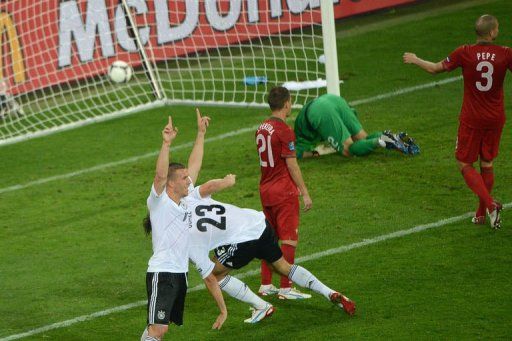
(238, 235)
(166, 278)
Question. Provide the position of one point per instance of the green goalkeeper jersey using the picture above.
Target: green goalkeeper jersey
(328, 118)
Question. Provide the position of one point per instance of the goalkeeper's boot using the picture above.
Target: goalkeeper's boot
(412, 147)
(259, 314)
(391, 141)
(292, 294)
(343, 302)
(495, 216)
(478, 220)
(267, 290)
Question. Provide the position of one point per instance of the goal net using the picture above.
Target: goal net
(55, 57)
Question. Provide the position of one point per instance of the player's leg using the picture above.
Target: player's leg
(468, 149)
(324, 120)
(303, 277)
(287, 219)
(360, 135)
(487, 174)
(266, 247)
(488, 152)
(335, 121)
(239, 256)
(267, 288)
(164, 291)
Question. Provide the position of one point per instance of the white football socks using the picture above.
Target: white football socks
(239, 290)
(306, 279)
(144, 334)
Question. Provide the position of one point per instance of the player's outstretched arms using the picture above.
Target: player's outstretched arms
(217, 185)
(162, 164)
(213, 287)
(432, 68)
(195, 159)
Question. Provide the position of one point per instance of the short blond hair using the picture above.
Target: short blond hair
(485, 24)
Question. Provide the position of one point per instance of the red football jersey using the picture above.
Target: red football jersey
(483, 67)
(275, 142)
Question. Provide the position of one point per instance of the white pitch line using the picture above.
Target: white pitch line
(406, 90)
(314, 256)
(211, 139)
(120, 162)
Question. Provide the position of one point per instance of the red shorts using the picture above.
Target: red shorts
(284, 218)
(473, 144)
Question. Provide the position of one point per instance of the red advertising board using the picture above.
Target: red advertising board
(46, 43)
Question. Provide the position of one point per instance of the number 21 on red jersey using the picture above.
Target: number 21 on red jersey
(265, 150)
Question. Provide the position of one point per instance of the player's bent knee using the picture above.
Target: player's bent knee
(463, 165)
(281, 266)
(361, 135)
(220, 271)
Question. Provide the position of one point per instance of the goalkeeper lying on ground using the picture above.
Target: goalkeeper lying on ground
(330, 119)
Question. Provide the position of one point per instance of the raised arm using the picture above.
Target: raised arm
(162, 163)
(433, 68)
(217, 185)
(195, 159)
(296, 175)
(213, 287)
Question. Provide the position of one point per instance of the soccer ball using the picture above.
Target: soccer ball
(120, 72)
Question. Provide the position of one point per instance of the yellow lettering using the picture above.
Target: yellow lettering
(18, 66)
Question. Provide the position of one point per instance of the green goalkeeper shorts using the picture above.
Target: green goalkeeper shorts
(333, 119)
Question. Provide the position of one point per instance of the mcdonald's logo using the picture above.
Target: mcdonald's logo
(7, 29)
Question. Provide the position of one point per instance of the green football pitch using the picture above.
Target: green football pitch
(391, 232)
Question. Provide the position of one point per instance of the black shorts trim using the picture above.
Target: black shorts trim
(166, 297)
(236, 256)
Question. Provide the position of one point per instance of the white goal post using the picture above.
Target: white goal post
(55, 56)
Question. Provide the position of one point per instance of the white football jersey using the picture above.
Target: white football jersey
(169, 234)
(213, 224)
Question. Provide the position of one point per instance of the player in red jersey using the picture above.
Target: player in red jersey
(484, 66)
(280, 185)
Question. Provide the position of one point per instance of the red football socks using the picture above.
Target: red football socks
(266, 274)
(487, 174)
(476, 183)
(289, 256)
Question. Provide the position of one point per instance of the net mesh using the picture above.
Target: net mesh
(56, 55)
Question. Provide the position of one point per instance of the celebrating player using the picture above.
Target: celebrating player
(329, 118)
(484, 66)
(166, 278)
(238, 235)
(280, 178)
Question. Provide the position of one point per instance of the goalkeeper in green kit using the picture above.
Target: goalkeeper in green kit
(329, 118)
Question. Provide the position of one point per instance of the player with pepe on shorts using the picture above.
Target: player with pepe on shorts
(482, 116)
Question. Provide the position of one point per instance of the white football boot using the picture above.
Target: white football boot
(259, 314)
(292, 294)
(267, 290)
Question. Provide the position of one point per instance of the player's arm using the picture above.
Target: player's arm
(293, 168)
(217, 185)
(198, 254)
(430, 67)
(213, 287)
(195, 159)
(162, 163)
